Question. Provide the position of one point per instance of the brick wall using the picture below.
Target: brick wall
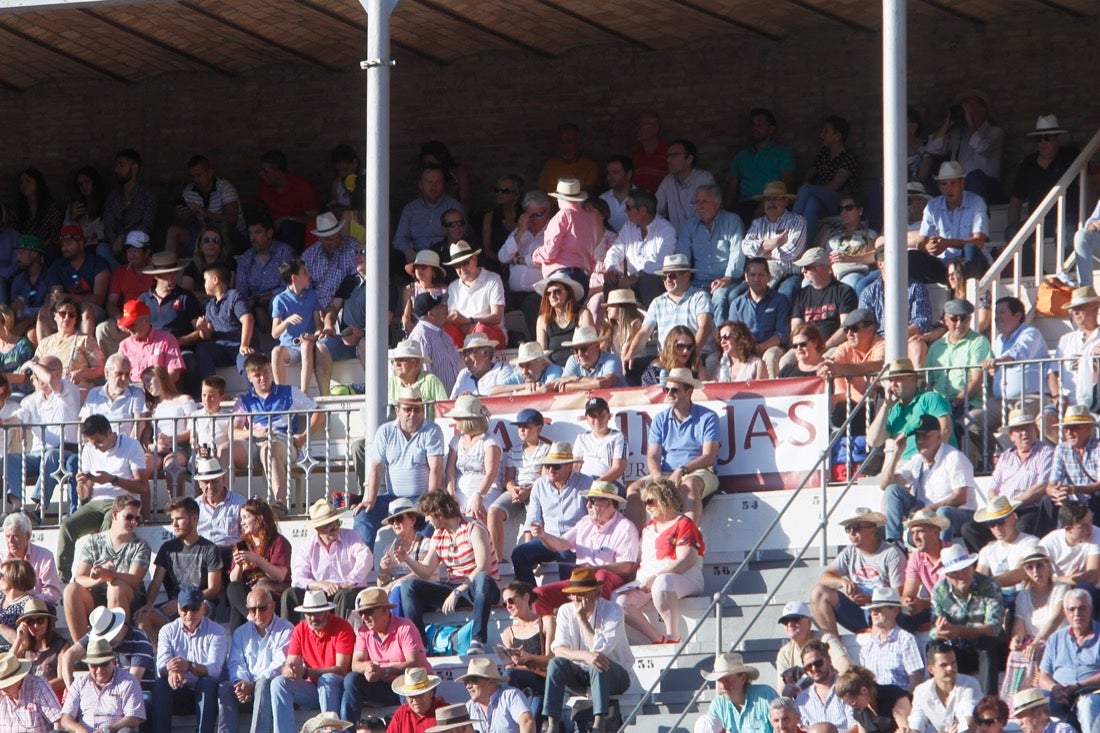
(498, 111)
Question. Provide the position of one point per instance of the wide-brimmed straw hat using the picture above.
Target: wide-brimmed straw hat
(415, 681)
(326, 225)
(603, 490)
(12, 669)
(408, 349)
(950, 169)
(560, 454)
(676, 263)
(916, 188)
(730, 663)
(622, 296)
(774, 189)
(397, 507)
(683, 375)
(373, 597)
(1029, 699)
(99, 651)
(569, 189)
(1047, 125)
(956, 557)
(163, 263)
(450, 717)
(427, 257)
(928, 517)
(1018, 418)
(1077, 415)
(998, 507)
(321, 512)
(208, 469)
(884, 597)
(583, 336)
(561, 279)
(902, 367)
(325, 720)
(478, 340)
(314, 602)
(410, 396)
(1083, 295)
(459, 252)
(468, 406)
(529, 351)
(105, 622)
(35, 607)
(482, 667)
(864, 514)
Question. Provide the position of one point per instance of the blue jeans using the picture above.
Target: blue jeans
(900, 503)
(722, 297)
(1086, 708)
(1086, 245)
(562, 673)
(358, 691)
(341, 351)
(814, 202)
(789, 285)
(41, 466)
(369, 522)
(531, 684)
(527, 555)
(229, 720)
(285, 694)
(204, 693)
(420, 596)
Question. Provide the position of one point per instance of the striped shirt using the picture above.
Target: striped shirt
(97, 707)
(436, 345)
(456, 552)
(33, 711)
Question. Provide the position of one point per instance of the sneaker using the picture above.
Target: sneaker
(280, 508)
(475, 648)
(34, 514)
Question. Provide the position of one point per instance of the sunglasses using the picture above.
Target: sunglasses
(554, 466)
(955, 319)
(685, 347)
(725, 336)
(671, 390)
(799, 344)
(589, 501)
(474, 680)
(189, 609)
(985, 721)
(132, 518)
(555, 291)
(66, 314)
(851, 329)
(37, 621)
(672, 275)
(650, 502)
(509, 600)
(257, 609)
(815, 663)
(848, 207)
(995, 522)
(853, 528)
(211, 240)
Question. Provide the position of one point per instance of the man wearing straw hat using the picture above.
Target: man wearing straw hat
(335, 562)
(475, 301)
(493, 705)
(968, 611)
(1071, 378)
(1002, 559)
(1075, 471)
(589, 367)
(1021, 476)
(1031, 707)
(452, 717)
(955, 223)
(556, 504)
(603, 540)
(591, 651)
(27, 703)
(924, 568)
(482, 371)
(867, 563)
(386, 646)
(890, 651)
(107, 698)
(569, 242)
(534, 373)
(409, 451)
(681, 304)
(325, 723)
(256, 656)
(967, 136)
(738, 703)
(409, 369)
(418, 713)
(1070, 669)
(779, 236)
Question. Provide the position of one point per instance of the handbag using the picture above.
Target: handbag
(1053, 297)
(1019, 675)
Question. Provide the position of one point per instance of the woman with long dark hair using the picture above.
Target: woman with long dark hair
(36, 212)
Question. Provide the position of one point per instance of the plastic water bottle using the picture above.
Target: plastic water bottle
(724, 369)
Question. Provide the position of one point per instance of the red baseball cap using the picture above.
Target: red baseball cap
(131, 311)
(73, 231)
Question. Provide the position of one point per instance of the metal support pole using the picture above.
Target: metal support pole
(895, 210)
(377, 191)
(718, 624)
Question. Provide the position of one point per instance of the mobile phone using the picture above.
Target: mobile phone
(242, 546)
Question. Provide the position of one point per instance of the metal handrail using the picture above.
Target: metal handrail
(822, 460)
(1035, 220)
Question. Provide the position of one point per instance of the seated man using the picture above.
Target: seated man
(739, 702)
(1071, 663)
(683, 446)
(797, 624)
(676, 194)
(1032, 707)
(257, 653)
(409, 452)
(345, 313)
(858, 357)
(825, 302)
(681, 304)
(1073, 356)
(921, 330)
(435, 344)
(410, 370)
(420, 223)
(955, 223)
(482, 371)
(947, 700)
(335, 562)
(475, 300)
(331, 259)
(779, 237)
(979, 145)
(819, 702)
(191, 655)
(642, 245)
(258, 269)
(273, 439)
(82, 275)
(533, 373)
(556, 504)
(589, 367)
(465, 550)
(111, 568)
(112, 466)
(386, 648)
(17, 546)
(968, 611)
(764, 160)
(591, 651)
(172, 308)
(29, 704)
(517, 253)
(1015, 341)
(889, 651)
(712, 239)
(867, 563)
(296, 323)
(1074, 549)
(603, 539)
(939, 477)
(208, 201)
(127, 283)
(418, 713)
(135, 652)
(219, 509)
(1002, 558)
(188, 560)
(318, 657)
(147, 346)
(766, 312)
(107, 698)
(1075, 471)
(118, 400)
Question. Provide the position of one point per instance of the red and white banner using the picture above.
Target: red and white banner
(772, 432)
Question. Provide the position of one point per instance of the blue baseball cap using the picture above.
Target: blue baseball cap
(190, 597)
(529, 417)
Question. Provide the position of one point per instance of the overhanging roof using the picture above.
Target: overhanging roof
(42, 40)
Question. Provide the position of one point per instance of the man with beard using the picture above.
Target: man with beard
(129, 206)
(765, 160)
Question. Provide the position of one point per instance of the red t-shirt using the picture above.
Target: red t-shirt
(129, 283)
(404, 720)
(295, 200)
(650, 168)
(321, 651)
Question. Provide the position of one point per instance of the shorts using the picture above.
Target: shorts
(505, 504)
(257, 443)
(707, 476)
(99, 594)
(293, 353)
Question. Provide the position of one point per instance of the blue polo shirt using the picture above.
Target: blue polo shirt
(406, 458)
(286, 304)
(175, 314)
(225, 315)
(606, 364)
(771, 316)
(683, 441)
(1069, 662)
(281, 398)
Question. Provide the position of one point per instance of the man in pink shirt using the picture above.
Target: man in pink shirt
(603, 539)
(147, 346)
(924, 568)
(385, 647)
(569, 242)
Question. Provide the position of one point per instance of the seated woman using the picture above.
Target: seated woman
(808, 346)
(958, 273)
(472, 475)
(526, 643)
(559, 315)
(17, 580)
(624, 319)
(15, 350)
(428, 277)
(404, 519)
(833, 173)
(81, 358)
(737, 360)
(671, 565)
(850, 243)
(1038, 608)
(37, 640)
(876, 708)
(167, 439)
(211, 248)
(679, 352)
(260, 559)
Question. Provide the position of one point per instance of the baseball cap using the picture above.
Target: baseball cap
(131, 311)
(137, 239)
(529, 417)
(425, 302)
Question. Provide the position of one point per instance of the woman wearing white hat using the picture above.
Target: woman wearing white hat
(428, 277)
(472, 475)
(560, 314)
